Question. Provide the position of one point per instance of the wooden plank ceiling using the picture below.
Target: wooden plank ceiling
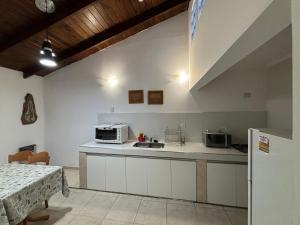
(76, 29)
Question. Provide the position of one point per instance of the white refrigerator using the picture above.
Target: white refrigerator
(270, 177)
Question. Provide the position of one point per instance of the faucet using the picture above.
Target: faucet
(181, 136)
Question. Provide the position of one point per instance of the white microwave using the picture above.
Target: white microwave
(111, 133)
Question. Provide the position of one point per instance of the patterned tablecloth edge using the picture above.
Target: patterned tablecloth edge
(4, 208)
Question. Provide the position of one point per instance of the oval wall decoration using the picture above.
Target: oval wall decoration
(29, 115)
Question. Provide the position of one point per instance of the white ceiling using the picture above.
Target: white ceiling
(272, 52)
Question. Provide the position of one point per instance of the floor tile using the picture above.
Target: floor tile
(212, 216)
(86, 207)
(84, 220)
(57, 199)
(78, 199)
(203, 205)
(153, 199)
(178, 214)
(234, 209)
(61, 220)
(124, 209)
(58, 216)
(151, 213)
(109, 194)
(114, 222)
(98, 206)
(127, 196)
(181, 202)
(72, 175)
(237, 216)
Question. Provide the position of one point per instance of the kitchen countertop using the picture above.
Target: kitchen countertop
(191, 150)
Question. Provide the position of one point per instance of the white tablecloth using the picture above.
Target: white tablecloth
(23, 187)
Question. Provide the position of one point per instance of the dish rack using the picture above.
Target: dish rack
(174, 135)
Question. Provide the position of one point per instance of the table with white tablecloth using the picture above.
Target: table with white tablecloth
(23, 187)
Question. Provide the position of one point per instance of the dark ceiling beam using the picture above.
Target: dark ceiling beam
(63, 58)
(32, 29)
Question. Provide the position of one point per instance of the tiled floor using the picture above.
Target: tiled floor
(85, 207)
(72, 177)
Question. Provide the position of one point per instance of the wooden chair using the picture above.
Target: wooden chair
(41, 157)
(19, 157)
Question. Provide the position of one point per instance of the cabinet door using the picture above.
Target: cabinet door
(241, 185)
(96, 169)
(221, 184)
(159, 177)
(136, 176)
(115, 174)
(183, 180)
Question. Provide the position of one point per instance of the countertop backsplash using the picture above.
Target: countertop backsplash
(154, 124)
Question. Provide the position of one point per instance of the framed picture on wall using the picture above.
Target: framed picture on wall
(136, 96)
(29, 115)
(155, 97)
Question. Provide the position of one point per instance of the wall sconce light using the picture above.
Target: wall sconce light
(112, 81)
(183, 77)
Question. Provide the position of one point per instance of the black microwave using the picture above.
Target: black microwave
(216, 139)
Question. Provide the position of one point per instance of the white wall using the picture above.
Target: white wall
(75, 94)
(221, 24)
(279, 98)
(230, 30)
(296, 104)
(13, 89)
(226, 93)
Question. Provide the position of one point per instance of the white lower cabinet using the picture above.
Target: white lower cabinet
(242, 185)
(115, 174)
(159, 177)
(106, 173)
(136, 176)
(96, 172)
(221, 184)
(227, 184)
(144, 176)
(183, 180)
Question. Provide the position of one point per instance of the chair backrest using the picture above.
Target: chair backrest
(41, 157)
(19, 157)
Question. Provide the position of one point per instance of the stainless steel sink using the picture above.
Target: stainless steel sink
(148, 145)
